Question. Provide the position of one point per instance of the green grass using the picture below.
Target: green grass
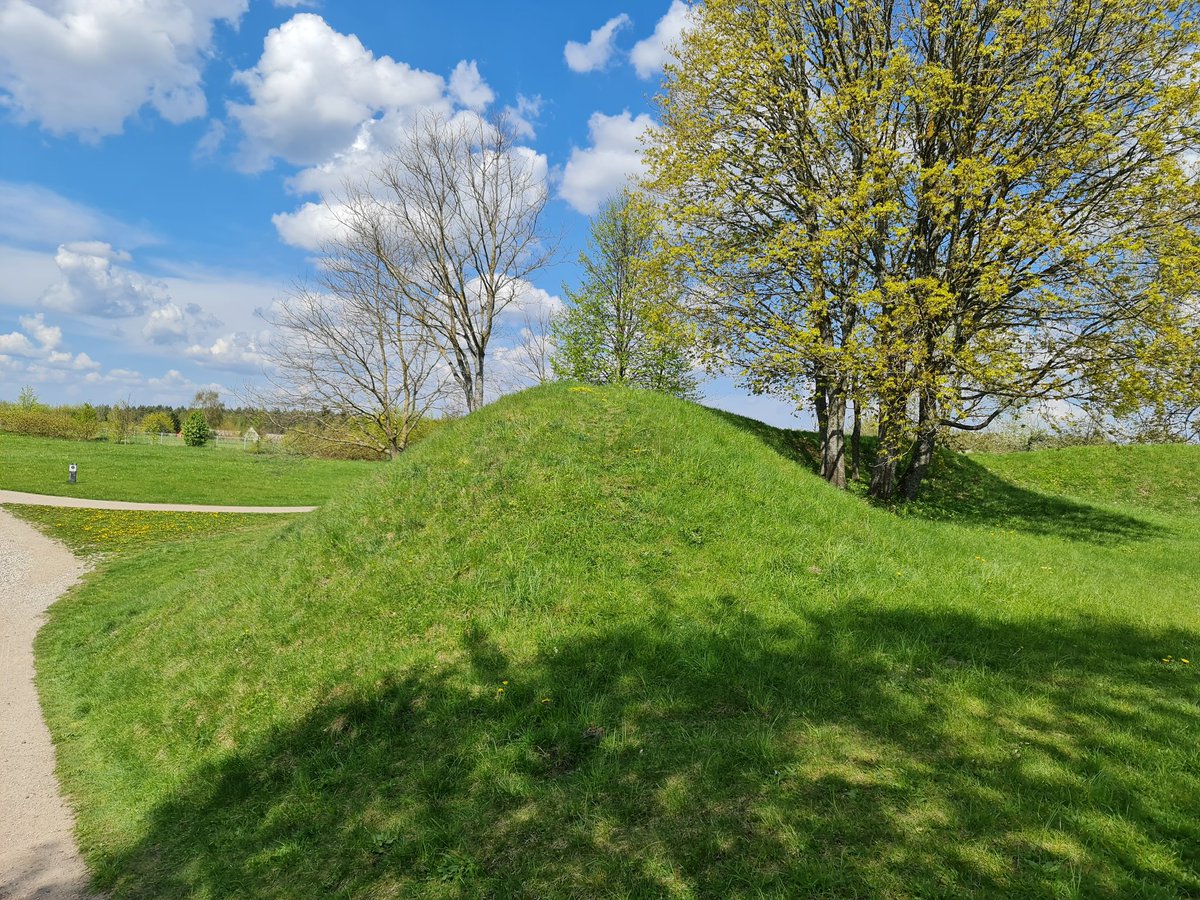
(170, 474)
(602, 643)
(108, 531)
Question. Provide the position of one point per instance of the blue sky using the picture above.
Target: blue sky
(162, 162)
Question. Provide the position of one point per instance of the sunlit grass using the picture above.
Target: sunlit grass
(602, 643)
(107, 531)
(171, 474)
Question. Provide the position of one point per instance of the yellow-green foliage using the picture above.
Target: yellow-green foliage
(157, 423)
(44, 422)
(963, 203)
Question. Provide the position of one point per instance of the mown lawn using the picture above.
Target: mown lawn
(593, 643)
(171, 474)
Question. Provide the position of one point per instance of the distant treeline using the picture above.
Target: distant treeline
(308, 433)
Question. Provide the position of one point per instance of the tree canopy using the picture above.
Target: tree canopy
(944, 209)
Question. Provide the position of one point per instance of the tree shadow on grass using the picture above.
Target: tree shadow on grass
(859, 752)
(961, 490)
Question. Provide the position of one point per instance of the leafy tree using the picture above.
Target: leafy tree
(28, 398)
(195, 429)
(120, 421)
(943, 209)
(209, 402)
(623, 327)
(157, 423)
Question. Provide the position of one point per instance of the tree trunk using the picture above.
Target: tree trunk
(476, 399)
(830, 403)
(892, 416)
(856, 442)
(922, 458)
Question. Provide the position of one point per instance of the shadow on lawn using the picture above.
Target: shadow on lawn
(718, 759)
(961, 490)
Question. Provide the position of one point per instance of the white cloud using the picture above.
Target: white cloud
(313, 88)
(210, 142)
(239, 351)
(34, 215)
(85, 66)
(49, 336)
(308, 227)
(532, 301)
(15, 342)
(175, 324)
(523, 115)
(469, 88)
(93, 284)
(312, 224)
(596, 53)
(651, 54)
(594, 174)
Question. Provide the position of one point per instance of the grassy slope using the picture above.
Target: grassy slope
(594, 643)
(170, 474)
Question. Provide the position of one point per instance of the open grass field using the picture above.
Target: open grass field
(170, 474)
(597, 642)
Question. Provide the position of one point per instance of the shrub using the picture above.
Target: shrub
(158, 423)
(45, 423)
(195, 429)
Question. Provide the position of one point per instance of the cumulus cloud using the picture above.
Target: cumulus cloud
(37, 345)
(468, 87)
(175, 324)
(615, 156)
(523, 115)
(49, 336)
(313, 89)
(85, 66)
(239, 351)
(93, 283)
(314, 223)
(596, 53)
(651, 54)
(16, 343)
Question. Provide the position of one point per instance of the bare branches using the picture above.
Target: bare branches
(468, 205)
(351, 346)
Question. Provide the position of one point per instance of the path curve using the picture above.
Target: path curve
(38, 856)
(19, 497)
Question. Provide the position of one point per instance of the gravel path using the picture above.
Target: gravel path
(38, 856)
(20, 497)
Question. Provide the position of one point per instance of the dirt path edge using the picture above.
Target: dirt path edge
(38, 854)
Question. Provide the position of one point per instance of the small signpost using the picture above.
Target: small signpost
(71, 470)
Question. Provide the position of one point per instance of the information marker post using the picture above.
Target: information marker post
(71, 470)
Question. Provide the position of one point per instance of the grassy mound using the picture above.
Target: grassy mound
(603, 643)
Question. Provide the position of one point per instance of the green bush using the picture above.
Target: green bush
(158, 423)
(45, 423)
(195, 429)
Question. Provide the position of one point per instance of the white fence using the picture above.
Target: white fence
(216, 442)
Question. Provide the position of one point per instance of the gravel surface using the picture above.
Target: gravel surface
(38, 856)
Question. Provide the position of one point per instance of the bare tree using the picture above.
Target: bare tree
(350, 348)
(532, 357)
(467, 206)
